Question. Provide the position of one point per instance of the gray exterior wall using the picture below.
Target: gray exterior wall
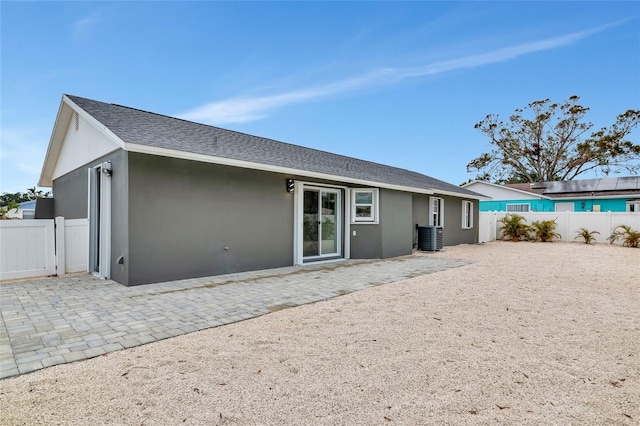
(392, 236)
(70, 194)
(71, 197)
(367, 241)
(420, 214)
(120, 201)
(396, 221)
(175, 219)
(44, 208)
(184, 214)
(454, 234)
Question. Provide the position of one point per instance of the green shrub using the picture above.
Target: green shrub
(514, 227)
(544, 230)
(587, 235)
(630, 238)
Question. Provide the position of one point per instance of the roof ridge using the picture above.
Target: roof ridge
(250, 135)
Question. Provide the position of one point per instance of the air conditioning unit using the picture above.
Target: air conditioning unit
(430, 238)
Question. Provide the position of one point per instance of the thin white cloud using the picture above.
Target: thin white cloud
(85, 25)
(244, 109)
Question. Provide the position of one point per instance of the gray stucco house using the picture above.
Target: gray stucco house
(170, 199)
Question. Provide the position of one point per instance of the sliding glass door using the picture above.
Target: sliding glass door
(322, 233)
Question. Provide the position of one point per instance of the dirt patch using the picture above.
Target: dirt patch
(530, 333)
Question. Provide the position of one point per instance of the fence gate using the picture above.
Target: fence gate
(41, 247)
(487, 227)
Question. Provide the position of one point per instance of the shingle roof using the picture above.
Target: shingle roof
(526, 187)
(159, 131)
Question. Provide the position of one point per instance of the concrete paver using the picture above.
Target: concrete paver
(52, 321)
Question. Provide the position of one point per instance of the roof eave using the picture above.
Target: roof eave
(596, 197)
(520, 191)
(63, 118)
(55, 144)
(95, 123)
(145, 149)
(476, 196)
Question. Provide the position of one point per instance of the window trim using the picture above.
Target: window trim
(375, 208)
(440, 211)
(635, 204)
(467, 215)
(506, 207)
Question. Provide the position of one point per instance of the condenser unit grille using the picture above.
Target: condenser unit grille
(430, 238)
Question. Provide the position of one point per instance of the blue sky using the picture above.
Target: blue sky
(400, 83)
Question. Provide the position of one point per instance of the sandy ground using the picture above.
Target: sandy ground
(531, 333)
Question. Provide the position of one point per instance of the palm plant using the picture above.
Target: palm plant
(545, 230)
(630, 238)
(4, 211)
(587, 235)
(513, 227)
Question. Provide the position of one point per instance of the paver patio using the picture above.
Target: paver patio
(52, 321)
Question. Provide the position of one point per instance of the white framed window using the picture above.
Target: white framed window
(518, 208)
(437, 212)
(633, 206)
(364, 205)
(467, 214)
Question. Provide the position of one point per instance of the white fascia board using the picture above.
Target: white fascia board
(460, 195)
(95, 123)
(471, 183)
(144, 149)
(595, 197)
(55, 144)
(520, 191)
(63, 118)
(532, 194)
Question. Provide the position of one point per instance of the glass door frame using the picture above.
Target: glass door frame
(99, 215)
(320, 223)
(342, 224)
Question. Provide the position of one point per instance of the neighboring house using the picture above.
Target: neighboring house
(25, 210)
(587, 195)
(171, 199)
(40, 208)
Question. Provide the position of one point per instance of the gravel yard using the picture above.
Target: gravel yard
(530, 333)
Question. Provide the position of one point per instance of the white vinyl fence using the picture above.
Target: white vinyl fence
(40, 247)
(568, 223)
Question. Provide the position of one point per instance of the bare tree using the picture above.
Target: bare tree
(547, 141)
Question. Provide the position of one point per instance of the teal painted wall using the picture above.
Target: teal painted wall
(610, 205)
(584, 205)
(501, 206)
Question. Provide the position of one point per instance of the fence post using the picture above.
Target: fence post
(59, 242)
(610, 222)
